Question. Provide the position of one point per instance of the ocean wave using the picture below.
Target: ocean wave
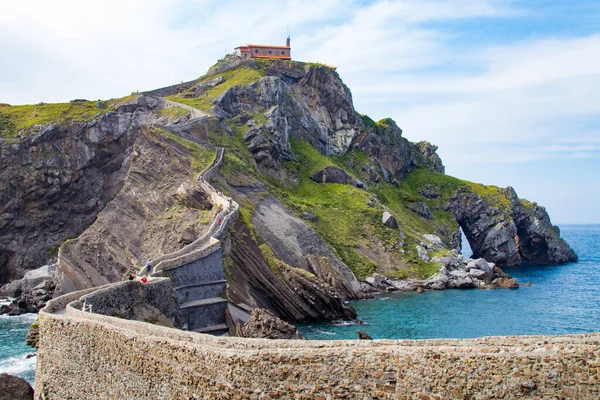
(29, 317)
(326, 333)
(17, 365)
(348, 323)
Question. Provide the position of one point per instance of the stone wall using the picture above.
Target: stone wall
(84, 355)
(126, 299)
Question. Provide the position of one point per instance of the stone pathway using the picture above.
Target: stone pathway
(197, 269)
(194, 111)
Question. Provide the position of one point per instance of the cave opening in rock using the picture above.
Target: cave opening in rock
(466, 250)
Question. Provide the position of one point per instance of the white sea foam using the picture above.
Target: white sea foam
(17, 365)
(4, 301)
(326, 333)
(29, 317)
(347, 323)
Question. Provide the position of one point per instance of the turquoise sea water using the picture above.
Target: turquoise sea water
(13, 350)
(563, 299)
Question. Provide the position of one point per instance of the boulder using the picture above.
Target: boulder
(263, 324)
(309, 216)
(30, 280)
(333, 174)
(421, 210)
(433, 241)
(478, 274)
(482, 265)
(33, 335)
(459, 279)
(430, 191)
(388, 220)
(379, 282)
(363, 335)
(503, 283)
(423, 255)
(187, 236)
(14, 388)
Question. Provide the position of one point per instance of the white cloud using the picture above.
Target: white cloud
(521, 101)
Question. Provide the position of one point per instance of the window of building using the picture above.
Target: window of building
(256, 51)
(283, 52)
(270, 52)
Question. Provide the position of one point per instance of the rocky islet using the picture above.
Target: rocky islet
(114, 192)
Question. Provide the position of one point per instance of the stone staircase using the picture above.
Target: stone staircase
(197, 269)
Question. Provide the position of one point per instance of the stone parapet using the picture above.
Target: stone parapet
(97, 356)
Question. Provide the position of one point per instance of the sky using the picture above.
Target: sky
(508, 89)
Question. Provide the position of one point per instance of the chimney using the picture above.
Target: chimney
(287, 42)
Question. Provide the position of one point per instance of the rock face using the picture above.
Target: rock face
(156, 211)
(433, 160)
(509, 233)
(288, 292)
(300, 246)
(261, 281)
(14, 388)
(313, 104)
(57, 180)
(263, 324)
(310, 103)
(391, 155)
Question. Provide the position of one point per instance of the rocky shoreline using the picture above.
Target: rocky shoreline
(456, 272)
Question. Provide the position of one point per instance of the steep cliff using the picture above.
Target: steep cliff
(328, 196)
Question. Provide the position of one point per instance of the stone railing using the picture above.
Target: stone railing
(107, 357)
(229, 210)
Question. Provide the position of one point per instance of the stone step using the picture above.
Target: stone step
(200, 291)
(216, 330)
(201, 313)
(202, 303)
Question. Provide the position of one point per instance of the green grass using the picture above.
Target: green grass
(270, 258)
(200, 157)
(173, 112)
(14, 119)
(241, 76)
(344, 218)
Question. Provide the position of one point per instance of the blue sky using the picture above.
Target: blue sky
(508, 90)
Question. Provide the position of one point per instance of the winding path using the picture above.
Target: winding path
(194, 111)
(201, 246)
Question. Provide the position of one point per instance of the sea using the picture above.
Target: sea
(561, 299)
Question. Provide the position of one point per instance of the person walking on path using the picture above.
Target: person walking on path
(149, 266)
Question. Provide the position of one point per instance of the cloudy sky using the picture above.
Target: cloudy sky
(508, 89)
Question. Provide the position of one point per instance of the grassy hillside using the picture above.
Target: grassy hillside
(241, 76)
(351, 228)
(14, 119)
